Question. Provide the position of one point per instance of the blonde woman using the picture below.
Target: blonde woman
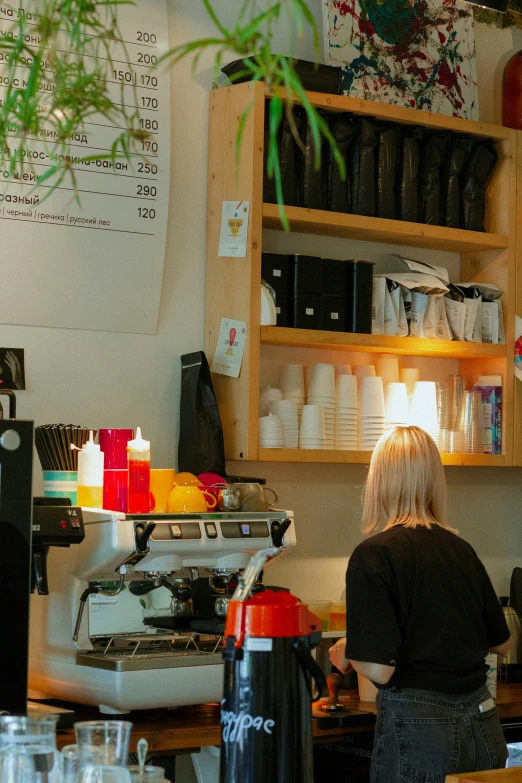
(421, 616)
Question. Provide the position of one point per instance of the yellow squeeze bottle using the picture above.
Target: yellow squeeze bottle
(90, 475)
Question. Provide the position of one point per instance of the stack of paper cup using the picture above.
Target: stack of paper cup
(409, 376)
(291, 382)
(270, 432)
(363, 371)
(396, 405)
(424, 410)
(322, 392)
(308, 370)
(266, 396)
(372, 420)
(346, 413)
(388, 368)
(286, 411)
(312, 432)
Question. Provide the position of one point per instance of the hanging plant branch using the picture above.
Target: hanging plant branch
(251, 38)
(58, 63)
(57, 67)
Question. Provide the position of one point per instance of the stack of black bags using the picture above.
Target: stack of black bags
(399, 172)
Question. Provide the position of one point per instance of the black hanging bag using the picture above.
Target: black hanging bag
(200, 448)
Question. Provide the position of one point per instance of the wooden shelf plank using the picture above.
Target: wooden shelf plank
(363, 457)
(395, 232)
(373, 343)
(385, 111)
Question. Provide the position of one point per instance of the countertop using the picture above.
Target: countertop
(512, 775)
(186, 728)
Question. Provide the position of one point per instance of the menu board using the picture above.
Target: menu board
(94, 259)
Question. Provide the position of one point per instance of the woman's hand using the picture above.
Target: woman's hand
(337, 657)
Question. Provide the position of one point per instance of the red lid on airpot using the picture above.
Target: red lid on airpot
(270, 614)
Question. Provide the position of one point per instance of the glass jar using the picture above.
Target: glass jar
(28, 751)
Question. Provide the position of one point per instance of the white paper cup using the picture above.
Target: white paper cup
(396, 403)
(322, 383)
(291, 380)
(371, 400)
(388, 368)
(364, 371)
(346, 391)
(409, 376)
(424, 411)
(312, 422)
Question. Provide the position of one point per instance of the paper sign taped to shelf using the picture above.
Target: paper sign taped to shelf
(234, 229)
(518, 347)
(230, 348)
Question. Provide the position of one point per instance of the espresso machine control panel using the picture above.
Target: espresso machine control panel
(213, 527)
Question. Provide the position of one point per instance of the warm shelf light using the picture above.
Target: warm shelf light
(493, 5)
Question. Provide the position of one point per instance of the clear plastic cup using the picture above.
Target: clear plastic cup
(338, 616)
(322, 610)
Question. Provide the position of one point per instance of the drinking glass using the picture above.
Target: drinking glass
(28, 751)
(147, 774)
(111, 738)
(73, 761)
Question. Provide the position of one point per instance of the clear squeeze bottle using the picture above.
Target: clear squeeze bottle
(90, 475)
(138, 456)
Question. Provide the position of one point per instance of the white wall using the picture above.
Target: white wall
(105, 379)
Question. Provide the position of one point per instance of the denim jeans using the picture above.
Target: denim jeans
(422, 736)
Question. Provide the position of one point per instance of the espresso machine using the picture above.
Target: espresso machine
(135, 614)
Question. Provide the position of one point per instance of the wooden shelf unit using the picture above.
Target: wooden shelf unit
(373, 343)
(334, 456)
(393, 232)
(233, 284)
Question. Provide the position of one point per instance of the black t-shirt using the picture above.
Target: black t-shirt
(422, 601)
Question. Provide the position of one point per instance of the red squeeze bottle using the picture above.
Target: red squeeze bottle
(138, 456)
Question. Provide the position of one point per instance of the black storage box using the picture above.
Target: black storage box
(283, 308)
(334, 314)
(275, 271)
(307, 274)
(314, 77)
(335, 282)
(307, 311)
(360, 294)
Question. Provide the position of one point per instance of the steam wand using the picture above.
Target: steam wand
(257, 562)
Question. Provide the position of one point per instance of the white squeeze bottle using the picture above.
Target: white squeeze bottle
(90, 475)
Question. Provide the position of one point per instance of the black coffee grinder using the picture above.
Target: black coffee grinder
(16, 507)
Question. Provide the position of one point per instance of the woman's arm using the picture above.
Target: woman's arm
(376, 672)
(501, 649)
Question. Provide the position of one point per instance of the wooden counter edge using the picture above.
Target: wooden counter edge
(511, 775)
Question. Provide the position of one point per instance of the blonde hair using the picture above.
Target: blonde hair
(406, 484)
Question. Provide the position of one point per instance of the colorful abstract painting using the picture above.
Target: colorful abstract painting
(418, 53)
